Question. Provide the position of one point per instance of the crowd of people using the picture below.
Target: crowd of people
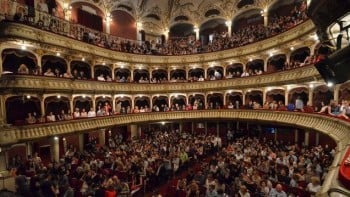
(196, 165)
(221, 41)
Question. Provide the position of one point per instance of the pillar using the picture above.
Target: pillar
(150, 74)
(264, 95)
(29, 148)
(336, 92)
(196, 30)
(139, 131)
(132, 102)
(311, 96)
(266, 61)
(187, 69)
(132, 74)
(317, 138)
(205, 101)
(169, 70)
(205, 72)
(81, 142)
(224, 99)
(113, 105)
(42, 105)
(243, 97)
(93, 63)
(206, 128)
(296, 136)
(2, 110)
(192, 128)
(133, 131)
(180, 126)
(93, 98)
(113, 73)
(286, 95)
(229, 27)
(266, 17)
(3, 160)
(187, 99)
(102, 137)
(71, 105)
(223, 70)
(307, 137)
(108, 23)
(55, 149)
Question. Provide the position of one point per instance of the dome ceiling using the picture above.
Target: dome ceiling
(160, 15)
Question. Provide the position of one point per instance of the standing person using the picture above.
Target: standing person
(299, 104)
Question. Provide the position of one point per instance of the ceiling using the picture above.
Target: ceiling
(160, 15)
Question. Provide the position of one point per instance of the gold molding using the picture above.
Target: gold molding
(17, 30)
(52, 84)
(333, 127)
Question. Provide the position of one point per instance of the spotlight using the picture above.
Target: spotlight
(23, 47)
(55, 138)
(58, 54)
(28, 96)
(330, 84)
(58, 96)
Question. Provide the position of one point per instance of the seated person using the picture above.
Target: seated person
(76, 113)
(108, 78)
(245, 74)
(49, 73)
(346, 110)
(230, 106)
(333, 109)
(91, 113)
(51, 117)
(68, 115)
(67, 74)
(23, 69)
(201, 78)
(83, 113)
(30, 119)
(101, 78)
(57, 73)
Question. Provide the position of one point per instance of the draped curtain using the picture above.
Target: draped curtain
(90, 20)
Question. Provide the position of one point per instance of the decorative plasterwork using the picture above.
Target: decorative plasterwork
(15, 30)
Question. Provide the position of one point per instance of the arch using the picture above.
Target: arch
(211, 29)
(181, 30)
(82, 102)
(78, 15)
(18, 107)
(160, 101)
(122, 75)
(123, 25)
(276, 63)
(56, 104)
(141, 75)
(277, 95)
(244, 3)
(234, 70)
(215, 72)
(322, 94)
(80, 69)
(233, 98)
(101, 70)
(123, 104)
(254, 96)
(282, 8)
(255, 65)
(344, 91)
(178, 75)
(196, 73)
(13, 58)
(298, 56)
(197, 101)
(54, 62)
(104, 105)
(142, 102)
(160, 75)
(247, 18)
(301, 92)
(215, 101)
(178, 102)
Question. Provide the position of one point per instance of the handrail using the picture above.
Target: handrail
(47, 22)
(337, 190)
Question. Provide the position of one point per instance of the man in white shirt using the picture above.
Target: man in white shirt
(91, 113)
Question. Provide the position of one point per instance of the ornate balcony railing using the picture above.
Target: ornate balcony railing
(52, 84)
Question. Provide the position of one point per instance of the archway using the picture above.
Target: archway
(234, 98)
(141, 76)
(122, 75)
(82, 102)
(234, 70)
(180, 31)
(123, 25)
(53, 62)
(254, 96)
(215, 72)
(123, 104)
(247, 20)
(197, 101)
(104, 105)
(276, 63)
(160, 102)
(215, 101)
(13, 58)
(18, 107)
(196, 73)
(160, 75)
(142, 103)
(101, 70)
(213, 29)
(322, 94)
(344, 91)
(301, 92)
(253, 67)
(178, 102)
(80, 70)
(299, 56)
(178, 75)
(276, 95)
(56, 104)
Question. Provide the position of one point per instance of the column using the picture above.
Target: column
(93, 69)
(196, 30)
(69, 60)
(187, 69)
(224, 99)
(102, 137)
(55, 149)
(3, 159)
(187, 99)
(307, 137)
(205, 100)
(108, 23)
(113, 104)
(169, 101)
(296, 136)
(132, 74)
(133, 131)
(206, 128)
(286, 95)
(266, 60)
(224, 70)
(71, 104)
(317, 138)
(265, 14)
(264, 95)
(310, 96)
(132, 102)
(150, 73)
(229, 27)
(243, 97)
(169, 70)
(237, 126)
(150, 103)
(112, 72)
(93, 98)
(42, 105)
(180, 127)
(138, 31)
(205, 72)
(336, 92)
(29, 148)
(2, 110)
(81, 142)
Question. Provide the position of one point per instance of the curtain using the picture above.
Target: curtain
(90, 20)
